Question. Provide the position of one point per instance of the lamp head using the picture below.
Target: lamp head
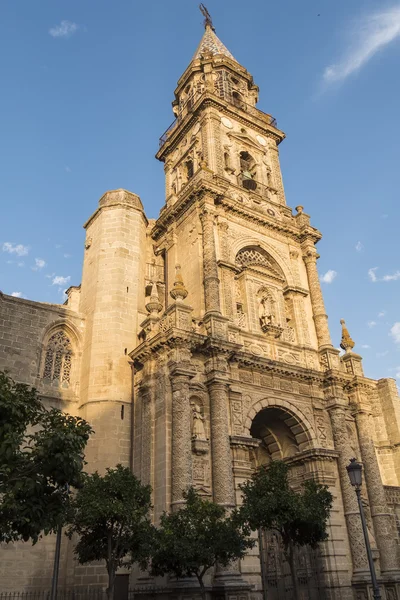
(354, 469)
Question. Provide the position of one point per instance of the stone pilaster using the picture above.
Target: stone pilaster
(317, 301)
(181, 437)
(210, 267)
(382, 519)
(352, 515)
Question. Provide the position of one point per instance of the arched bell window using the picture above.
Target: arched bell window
(189, 167)
(247, 171)
(237, 100)
(58, 360)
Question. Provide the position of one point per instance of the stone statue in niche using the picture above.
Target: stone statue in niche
(198, 429)
(267, 316)
(265, 311)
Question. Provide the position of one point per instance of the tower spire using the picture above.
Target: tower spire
(210, 43)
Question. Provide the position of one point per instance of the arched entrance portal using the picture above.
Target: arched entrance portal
(284, 437)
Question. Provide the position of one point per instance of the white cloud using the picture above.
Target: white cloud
(17, 294)
(371, 274)
(382, 354)
(373, 277)
(329, 276)
(368, 35)
(395, 332)
(39, 264)
(18, 249)
(371, 324)
(382, 314)
(60, 280)
(365, 346)
(64, 30)
(393, 277)
(359, 246)
(66, 255)
(20, 264)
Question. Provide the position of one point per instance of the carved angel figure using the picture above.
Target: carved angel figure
(198, 429)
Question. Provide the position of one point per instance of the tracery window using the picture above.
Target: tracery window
(256, 256)
(58, 360)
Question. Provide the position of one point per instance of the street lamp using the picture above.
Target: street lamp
(354, 469)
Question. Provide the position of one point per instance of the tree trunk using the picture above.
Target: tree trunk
(289, 551)
(111, 582)
(202, 588)
(111, 569)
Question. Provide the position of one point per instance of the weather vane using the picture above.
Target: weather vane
(207, 17)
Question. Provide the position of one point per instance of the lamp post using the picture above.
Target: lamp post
(354, 469)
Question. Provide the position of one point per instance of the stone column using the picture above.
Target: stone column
(222, 473)
(382, 519)
(317, 301)
(181, 438)
(210, 268)
(352, 515)
(146, 431)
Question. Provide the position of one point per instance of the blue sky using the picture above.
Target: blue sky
(87, 87)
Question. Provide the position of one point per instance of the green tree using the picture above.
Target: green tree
(41, 453)
(193, 539)
(299, 517)
(111, 517)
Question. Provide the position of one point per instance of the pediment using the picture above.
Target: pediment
(246, 139)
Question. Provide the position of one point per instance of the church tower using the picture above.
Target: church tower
(235, 365)
(198, 348)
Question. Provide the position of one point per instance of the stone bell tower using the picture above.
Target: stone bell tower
(235, 365)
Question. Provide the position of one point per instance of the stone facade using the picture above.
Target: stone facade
(198, 347)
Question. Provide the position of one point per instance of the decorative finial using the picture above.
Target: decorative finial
(178, 292)
(207, 17)
(346, 342)
(154, 305)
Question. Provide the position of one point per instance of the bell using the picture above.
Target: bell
(248, 183)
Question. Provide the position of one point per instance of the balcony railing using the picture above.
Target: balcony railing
(189, 104)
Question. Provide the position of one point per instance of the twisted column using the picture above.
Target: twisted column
(317, 301)
(382, 519)
(352, 515)
(181, 439)
(222, 474)
(210, 268)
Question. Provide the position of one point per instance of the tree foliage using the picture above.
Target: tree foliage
(111, 517)
(193, 539)
(299, 517)
(41, 453)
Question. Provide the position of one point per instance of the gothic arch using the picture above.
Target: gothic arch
(299, 419)
(69, 328)
(242, 243)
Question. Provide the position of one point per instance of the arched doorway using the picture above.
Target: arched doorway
(283, 436)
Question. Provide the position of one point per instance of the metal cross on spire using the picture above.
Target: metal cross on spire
(207, 17)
